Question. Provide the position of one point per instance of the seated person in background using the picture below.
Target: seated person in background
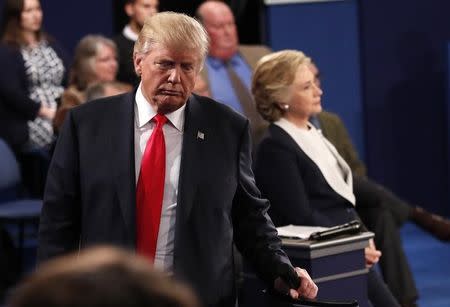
(228, 66)
(201, 88)
(106, 89)
(374, 194)
(370, 196)
(137, 11)
(101, 276)
(95, 61)
(299, 171)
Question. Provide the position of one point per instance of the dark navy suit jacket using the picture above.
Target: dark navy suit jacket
(90, 194)
(293, 183)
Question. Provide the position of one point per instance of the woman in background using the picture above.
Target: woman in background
(296, 168)
(95, 61)
(32, 79)
(31, 82)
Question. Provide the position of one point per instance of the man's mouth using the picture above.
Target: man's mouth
(169, 92)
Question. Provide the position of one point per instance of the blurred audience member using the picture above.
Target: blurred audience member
(98, 277)
(228, 67)
(137, 11)
(95, 61)
(306, 181)
(106, 89)
(32, 77)
(201, 88)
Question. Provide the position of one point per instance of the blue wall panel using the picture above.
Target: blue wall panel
(328, 32)
(404, 55)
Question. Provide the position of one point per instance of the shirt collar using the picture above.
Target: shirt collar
(145, 112)
(128, 33)
(217, 63)
(292, 128)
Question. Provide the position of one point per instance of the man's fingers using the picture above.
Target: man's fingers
(307, 287)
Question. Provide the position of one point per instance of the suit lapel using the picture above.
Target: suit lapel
(195, 138)
(122, 160)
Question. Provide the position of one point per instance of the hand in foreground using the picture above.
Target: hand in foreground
(306, 289)
(372, 254)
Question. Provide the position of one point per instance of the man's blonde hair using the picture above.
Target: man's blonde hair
(175, 31)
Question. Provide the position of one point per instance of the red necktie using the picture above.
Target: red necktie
(150, 191)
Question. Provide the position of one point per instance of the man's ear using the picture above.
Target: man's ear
(137, 61)
(129, 9)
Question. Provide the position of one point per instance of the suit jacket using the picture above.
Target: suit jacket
(334, 130)
(90, 194)
(298, 192)
(251, 54)
(126, 71)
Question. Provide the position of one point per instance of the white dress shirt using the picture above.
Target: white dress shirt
(332, 166)
(173, 135)
(128, 33)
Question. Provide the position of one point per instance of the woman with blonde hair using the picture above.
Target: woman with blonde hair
(95, 61)
(296, 168)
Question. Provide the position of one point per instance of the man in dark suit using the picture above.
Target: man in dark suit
(137, 11)
(183, 199)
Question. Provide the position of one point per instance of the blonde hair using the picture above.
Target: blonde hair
(173, 30)
(273, 75)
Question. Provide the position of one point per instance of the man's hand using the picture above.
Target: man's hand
(307, 288)
(372, 254)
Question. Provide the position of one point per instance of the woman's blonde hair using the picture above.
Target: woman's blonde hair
(273, 75)
(82, 72)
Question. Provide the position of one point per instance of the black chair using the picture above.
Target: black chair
(16, 214)
(281, 300)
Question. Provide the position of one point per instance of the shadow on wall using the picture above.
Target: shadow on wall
(417, 100)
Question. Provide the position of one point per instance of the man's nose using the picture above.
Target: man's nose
(174, 76)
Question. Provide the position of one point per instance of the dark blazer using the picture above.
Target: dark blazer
(16, 108)
(126, 71)
(90, 193)
(295, 186)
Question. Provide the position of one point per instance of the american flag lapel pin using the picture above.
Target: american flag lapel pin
(200, 135)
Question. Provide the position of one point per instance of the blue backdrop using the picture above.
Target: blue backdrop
(384, 67)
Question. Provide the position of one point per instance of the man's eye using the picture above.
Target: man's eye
(164, 65)
(187, 67)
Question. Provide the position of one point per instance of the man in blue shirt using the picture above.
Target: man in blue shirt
(228, 61)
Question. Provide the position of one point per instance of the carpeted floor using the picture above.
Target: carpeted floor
(430, 263)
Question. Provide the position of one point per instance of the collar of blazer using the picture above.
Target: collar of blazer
(342, 187)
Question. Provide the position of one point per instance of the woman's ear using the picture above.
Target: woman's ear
(283, 106)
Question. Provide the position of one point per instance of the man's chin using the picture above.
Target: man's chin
(170, 104)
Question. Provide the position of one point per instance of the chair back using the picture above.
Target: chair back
(9, 173)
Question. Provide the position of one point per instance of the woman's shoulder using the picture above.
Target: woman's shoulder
(72, 97)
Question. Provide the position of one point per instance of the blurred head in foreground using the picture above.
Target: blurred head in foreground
(101, 276)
